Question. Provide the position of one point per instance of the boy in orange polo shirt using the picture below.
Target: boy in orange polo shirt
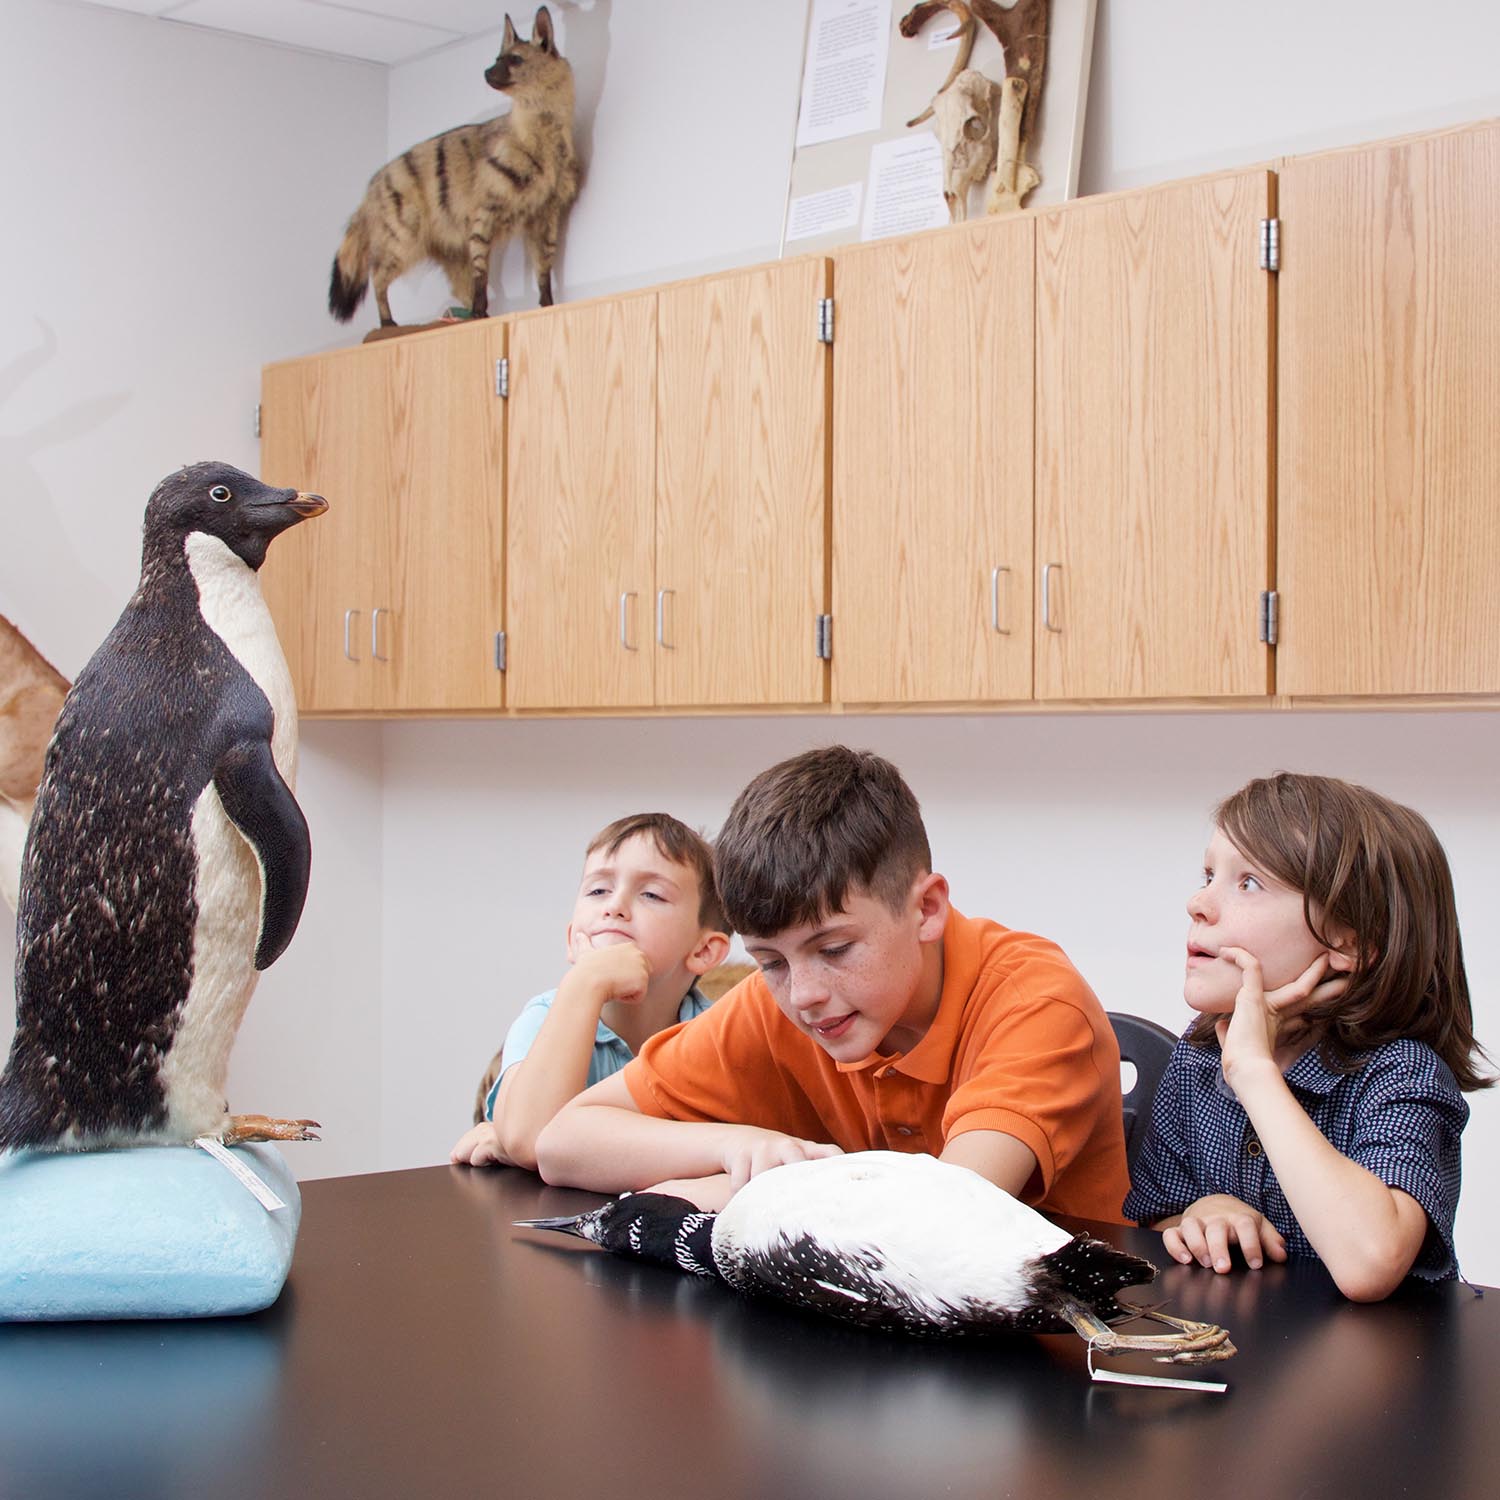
(881, 1019)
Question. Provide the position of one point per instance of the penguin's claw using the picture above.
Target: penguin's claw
(239, 1129)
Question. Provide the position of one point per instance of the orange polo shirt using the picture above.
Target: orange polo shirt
(1019, 1044)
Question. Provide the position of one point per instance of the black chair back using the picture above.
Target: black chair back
(1147, 1047)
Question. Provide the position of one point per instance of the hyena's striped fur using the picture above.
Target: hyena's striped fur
(451, 199)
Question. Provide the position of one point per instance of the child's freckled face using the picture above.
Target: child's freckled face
(851, 981)
(1240, 906)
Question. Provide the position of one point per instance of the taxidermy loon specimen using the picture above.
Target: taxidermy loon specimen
(903, 1243)
(167, 860)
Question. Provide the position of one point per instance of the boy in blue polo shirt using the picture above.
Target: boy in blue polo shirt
(646, 926)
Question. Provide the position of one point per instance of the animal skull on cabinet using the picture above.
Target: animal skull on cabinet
(1010, 122)
(965, 115)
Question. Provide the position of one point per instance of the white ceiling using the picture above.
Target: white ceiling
(382, 31)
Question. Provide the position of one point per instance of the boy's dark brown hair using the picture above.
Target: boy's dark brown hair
(677, 842)
(811, 830)
(1376, 868)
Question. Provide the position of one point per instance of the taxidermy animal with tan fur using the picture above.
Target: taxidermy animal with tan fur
(31, 696)
(453, 198)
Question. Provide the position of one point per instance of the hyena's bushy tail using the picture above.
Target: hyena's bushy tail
(351, 269)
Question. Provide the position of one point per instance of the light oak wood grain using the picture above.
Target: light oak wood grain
(932, 466)
(324, 428)
(1389, 420)
(741, 512)
(1153, 442)
(447, 443)
(581, 450)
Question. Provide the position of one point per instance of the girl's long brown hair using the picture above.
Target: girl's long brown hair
(1374, 867)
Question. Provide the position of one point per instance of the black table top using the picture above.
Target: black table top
(425, 1348)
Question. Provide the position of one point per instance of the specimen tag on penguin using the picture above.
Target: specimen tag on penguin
(223, 1155)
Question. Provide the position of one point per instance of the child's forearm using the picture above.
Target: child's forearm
(613, 1150)
(554, 1070)
(1367, 1234)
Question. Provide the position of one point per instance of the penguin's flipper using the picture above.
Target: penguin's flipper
(261, 805)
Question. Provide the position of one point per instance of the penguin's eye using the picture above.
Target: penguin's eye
(221, 493)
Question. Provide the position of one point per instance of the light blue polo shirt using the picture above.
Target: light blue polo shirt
(611, 1053)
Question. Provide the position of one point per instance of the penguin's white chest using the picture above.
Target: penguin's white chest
(229, 884)
(232, 606)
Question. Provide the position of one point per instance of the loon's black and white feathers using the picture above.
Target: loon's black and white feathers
(167, 860)
(902, 1243)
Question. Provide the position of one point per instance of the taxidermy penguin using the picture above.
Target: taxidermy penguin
(903, 1243)
(167, 860)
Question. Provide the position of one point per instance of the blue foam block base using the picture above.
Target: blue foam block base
(150, 1232)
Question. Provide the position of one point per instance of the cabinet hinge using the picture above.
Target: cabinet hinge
(1270, 244)
(823, 637)
(502, 378)
(499, 650)
(825, 320)
(1269, 607)
(257, 419)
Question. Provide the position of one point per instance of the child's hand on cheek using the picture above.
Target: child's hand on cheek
(618, 971)
(1249, 1036)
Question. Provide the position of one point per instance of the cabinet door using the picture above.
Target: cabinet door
(323, 425)
(932, 467)
(741, 515)
(1153, 443)
(1389, 533)
(580, 448)
(447, 548)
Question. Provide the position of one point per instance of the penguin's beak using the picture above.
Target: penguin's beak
(306, 504)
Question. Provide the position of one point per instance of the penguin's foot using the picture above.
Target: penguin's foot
(241, 1128)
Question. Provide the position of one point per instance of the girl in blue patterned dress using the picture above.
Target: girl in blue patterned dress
(1314, 1107)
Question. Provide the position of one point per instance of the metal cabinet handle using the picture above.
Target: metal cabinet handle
(1047, 597)
(995, 624)
(624, 632)
(375, 632)
(661, 611)
(349, 614)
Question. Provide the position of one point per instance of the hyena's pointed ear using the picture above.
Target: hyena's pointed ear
(541, 31)
(509, 39)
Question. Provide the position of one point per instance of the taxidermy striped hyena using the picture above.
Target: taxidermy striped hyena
(452, 198)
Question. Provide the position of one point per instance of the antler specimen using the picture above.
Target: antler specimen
(1021, 30)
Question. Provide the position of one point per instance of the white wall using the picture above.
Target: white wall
(445, 854)
(1180, 87)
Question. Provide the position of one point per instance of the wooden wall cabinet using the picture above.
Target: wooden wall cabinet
(932, 467)
(666, 497)
(1091, 522)
(391, 601)
(742, 487)
(1389, 400)
(1153, 420)
(1058, 457)
(580, 506)
(323, 428)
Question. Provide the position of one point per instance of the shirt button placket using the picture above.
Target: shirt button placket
(1253, 1167)
(903, 1132)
